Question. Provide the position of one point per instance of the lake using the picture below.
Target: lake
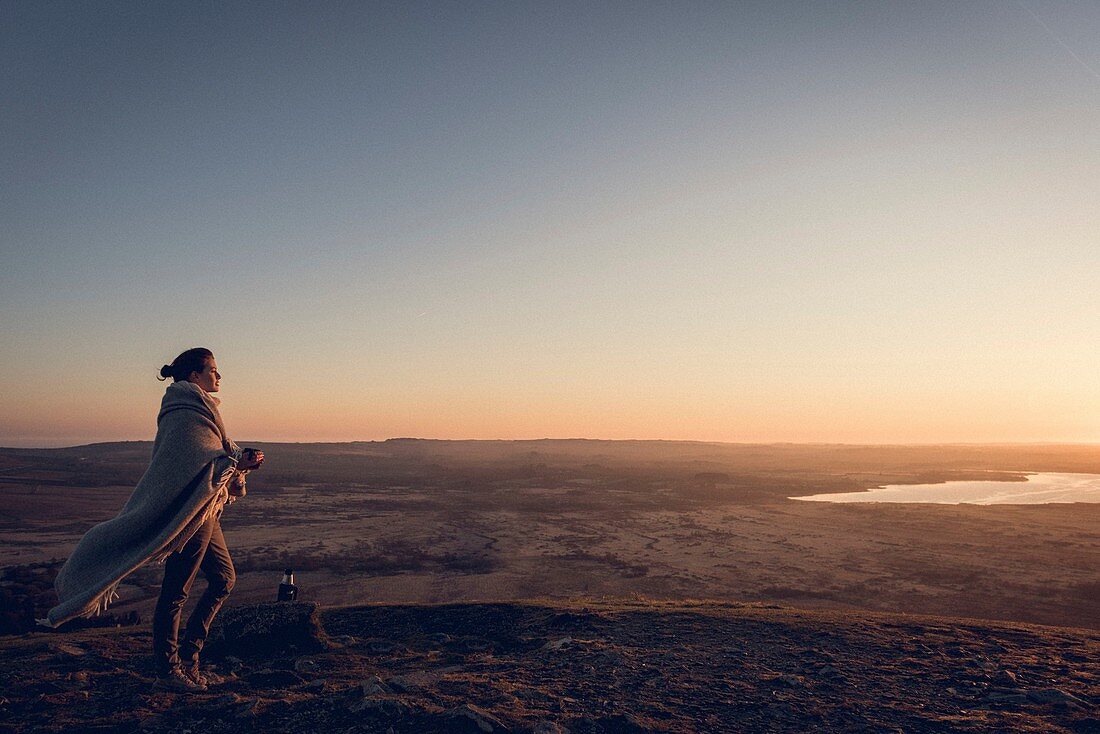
(1039, 489)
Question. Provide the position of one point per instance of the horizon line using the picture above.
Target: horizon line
(603, 440)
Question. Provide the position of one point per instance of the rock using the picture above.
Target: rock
(1053, 695)
(306, 665)
(557, 644)
(404, 683)
(265, 631)
(1007, 678)
(439, 638)
(247, 709)
(786, 679)
(482, 719)
(374, 686)
(1003, 697)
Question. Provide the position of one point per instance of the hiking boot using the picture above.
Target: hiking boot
(177, 680)
(203, 679)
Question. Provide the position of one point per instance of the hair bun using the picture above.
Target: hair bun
(193, 360)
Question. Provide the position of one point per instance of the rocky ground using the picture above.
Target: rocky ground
(578, 666)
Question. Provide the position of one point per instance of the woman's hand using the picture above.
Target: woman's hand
(251, 459)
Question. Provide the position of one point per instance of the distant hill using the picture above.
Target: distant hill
(398, 453)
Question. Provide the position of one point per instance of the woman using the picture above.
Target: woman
(173, 516)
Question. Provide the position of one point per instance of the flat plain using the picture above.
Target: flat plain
(422, 521)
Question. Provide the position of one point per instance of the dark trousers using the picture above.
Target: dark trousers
(205, 550)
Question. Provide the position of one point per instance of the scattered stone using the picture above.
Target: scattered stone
(1007, 678)
(306, 665)
(343, 641)
(1053, 695)
(557, 644)
(404, 683)
(247, 709)
(786, 679)
(439, 638)
(374, 686)
(482, 719)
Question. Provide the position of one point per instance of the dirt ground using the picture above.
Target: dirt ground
(584, 667)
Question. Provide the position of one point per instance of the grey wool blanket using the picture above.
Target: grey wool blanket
(185, 485)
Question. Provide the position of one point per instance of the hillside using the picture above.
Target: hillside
(582, 666)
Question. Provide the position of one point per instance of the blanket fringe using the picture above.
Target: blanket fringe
(102, 601)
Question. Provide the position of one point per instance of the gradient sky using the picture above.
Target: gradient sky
(807, 221)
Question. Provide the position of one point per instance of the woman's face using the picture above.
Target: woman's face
(209, 378)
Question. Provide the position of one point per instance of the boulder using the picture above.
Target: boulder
(267, 631)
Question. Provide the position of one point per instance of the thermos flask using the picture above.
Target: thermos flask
(287, 590)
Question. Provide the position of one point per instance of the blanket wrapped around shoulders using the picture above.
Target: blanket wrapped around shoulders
(185, 485)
